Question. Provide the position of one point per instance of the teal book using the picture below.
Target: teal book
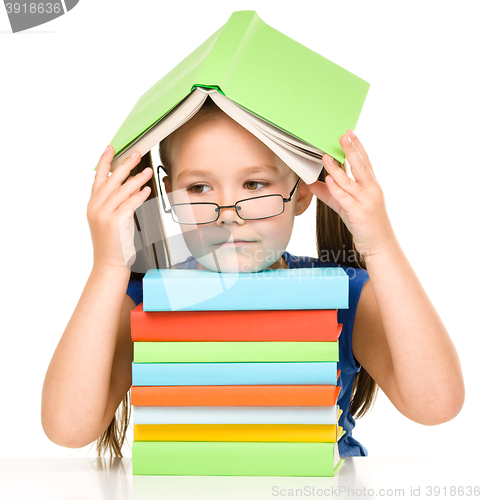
(322, 372)
(227, 458)
(271, 289)
(280, 90)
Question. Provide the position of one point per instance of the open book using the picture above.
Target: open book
(294, 100)
(300, 156)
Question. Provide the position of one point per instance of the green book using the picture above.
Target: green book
(293, 99)
(228, 458)
(233, 352)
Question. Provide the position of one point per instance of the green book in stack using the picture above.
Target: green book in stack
(211, 458)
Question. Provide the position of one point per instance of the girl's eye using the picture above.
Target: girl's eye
(195, 188)
(251, 185)
(254, 182)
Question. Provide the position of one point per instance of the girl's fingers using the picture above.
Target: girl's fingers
(120, 174)
(344, 199)
(102, 169)
(322, 192)
(127, 190)
(134, 201)
(332, 192)
(360, 148)
(122, 171)
(342, 179)
(360, 169)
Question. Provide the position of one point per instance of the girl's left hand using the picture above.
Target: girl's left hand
(360, 202)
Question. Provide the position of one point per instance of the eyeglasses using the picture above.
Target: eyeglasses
(256, 208)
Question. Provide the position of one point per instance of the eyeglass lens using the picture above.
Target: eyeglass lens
(202, 213)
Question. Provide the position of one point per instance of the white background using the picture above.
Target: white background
(67, 86)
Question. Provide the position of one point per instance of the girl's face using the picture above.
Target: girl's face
(217, 160)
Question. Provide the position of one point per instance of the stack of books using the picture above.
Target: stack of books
(235, 374)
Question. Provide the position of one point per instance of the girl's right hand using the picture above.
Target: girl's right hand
(110, 211)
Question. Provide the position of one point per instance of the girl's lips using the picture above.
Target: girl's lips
(235, 243)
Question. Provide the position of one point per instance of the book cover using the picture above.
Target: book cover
(316, 372)
(273, 289)
(233, 352)
(267, 73)
(293, 433)
(304, 325)
(211, 458)
(235, 395)
(326, 415)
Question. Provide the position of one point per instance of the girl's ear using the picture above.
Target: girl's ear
(168, 188)
(304, 197)
(167, 184)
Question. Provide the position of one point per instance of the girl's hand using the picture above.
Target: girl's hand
(110, 210)
(360, 202)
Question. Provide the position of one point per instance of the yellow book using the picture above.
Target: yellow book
(301, 433)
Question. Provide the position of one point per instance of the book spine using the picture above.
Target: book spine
(167, 290)
(218, 61)
(232, 458)
(321, 373)
(223, 326)
(290, 433)
(235, 395)
(233, 352)
(317, 415)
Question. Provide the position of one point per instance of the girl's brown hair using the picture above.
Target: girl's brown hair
(332, 238)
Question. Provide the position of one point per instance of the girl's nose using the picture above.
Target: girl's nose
(229, 216)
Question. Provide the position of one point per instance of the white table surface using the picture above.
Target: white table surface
(367, 477)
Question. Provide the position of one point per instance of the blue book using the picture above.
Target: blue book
(316, 372)
(195, 290)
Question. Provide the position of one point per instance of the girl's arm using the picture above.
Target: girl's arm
(81, 390)
(400, 340)
(398, 337)
(90, 371)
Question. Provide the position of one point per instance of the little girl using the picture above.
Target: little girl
(392, 336)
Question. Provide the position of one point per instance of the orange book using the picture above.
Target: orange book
(295, 325)
(235, 395)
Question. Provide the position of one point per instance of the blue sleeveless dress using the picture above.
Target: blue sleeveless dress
(348, 446)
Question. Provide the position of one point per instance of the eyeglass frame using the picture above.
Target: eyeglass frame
(220, 207)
